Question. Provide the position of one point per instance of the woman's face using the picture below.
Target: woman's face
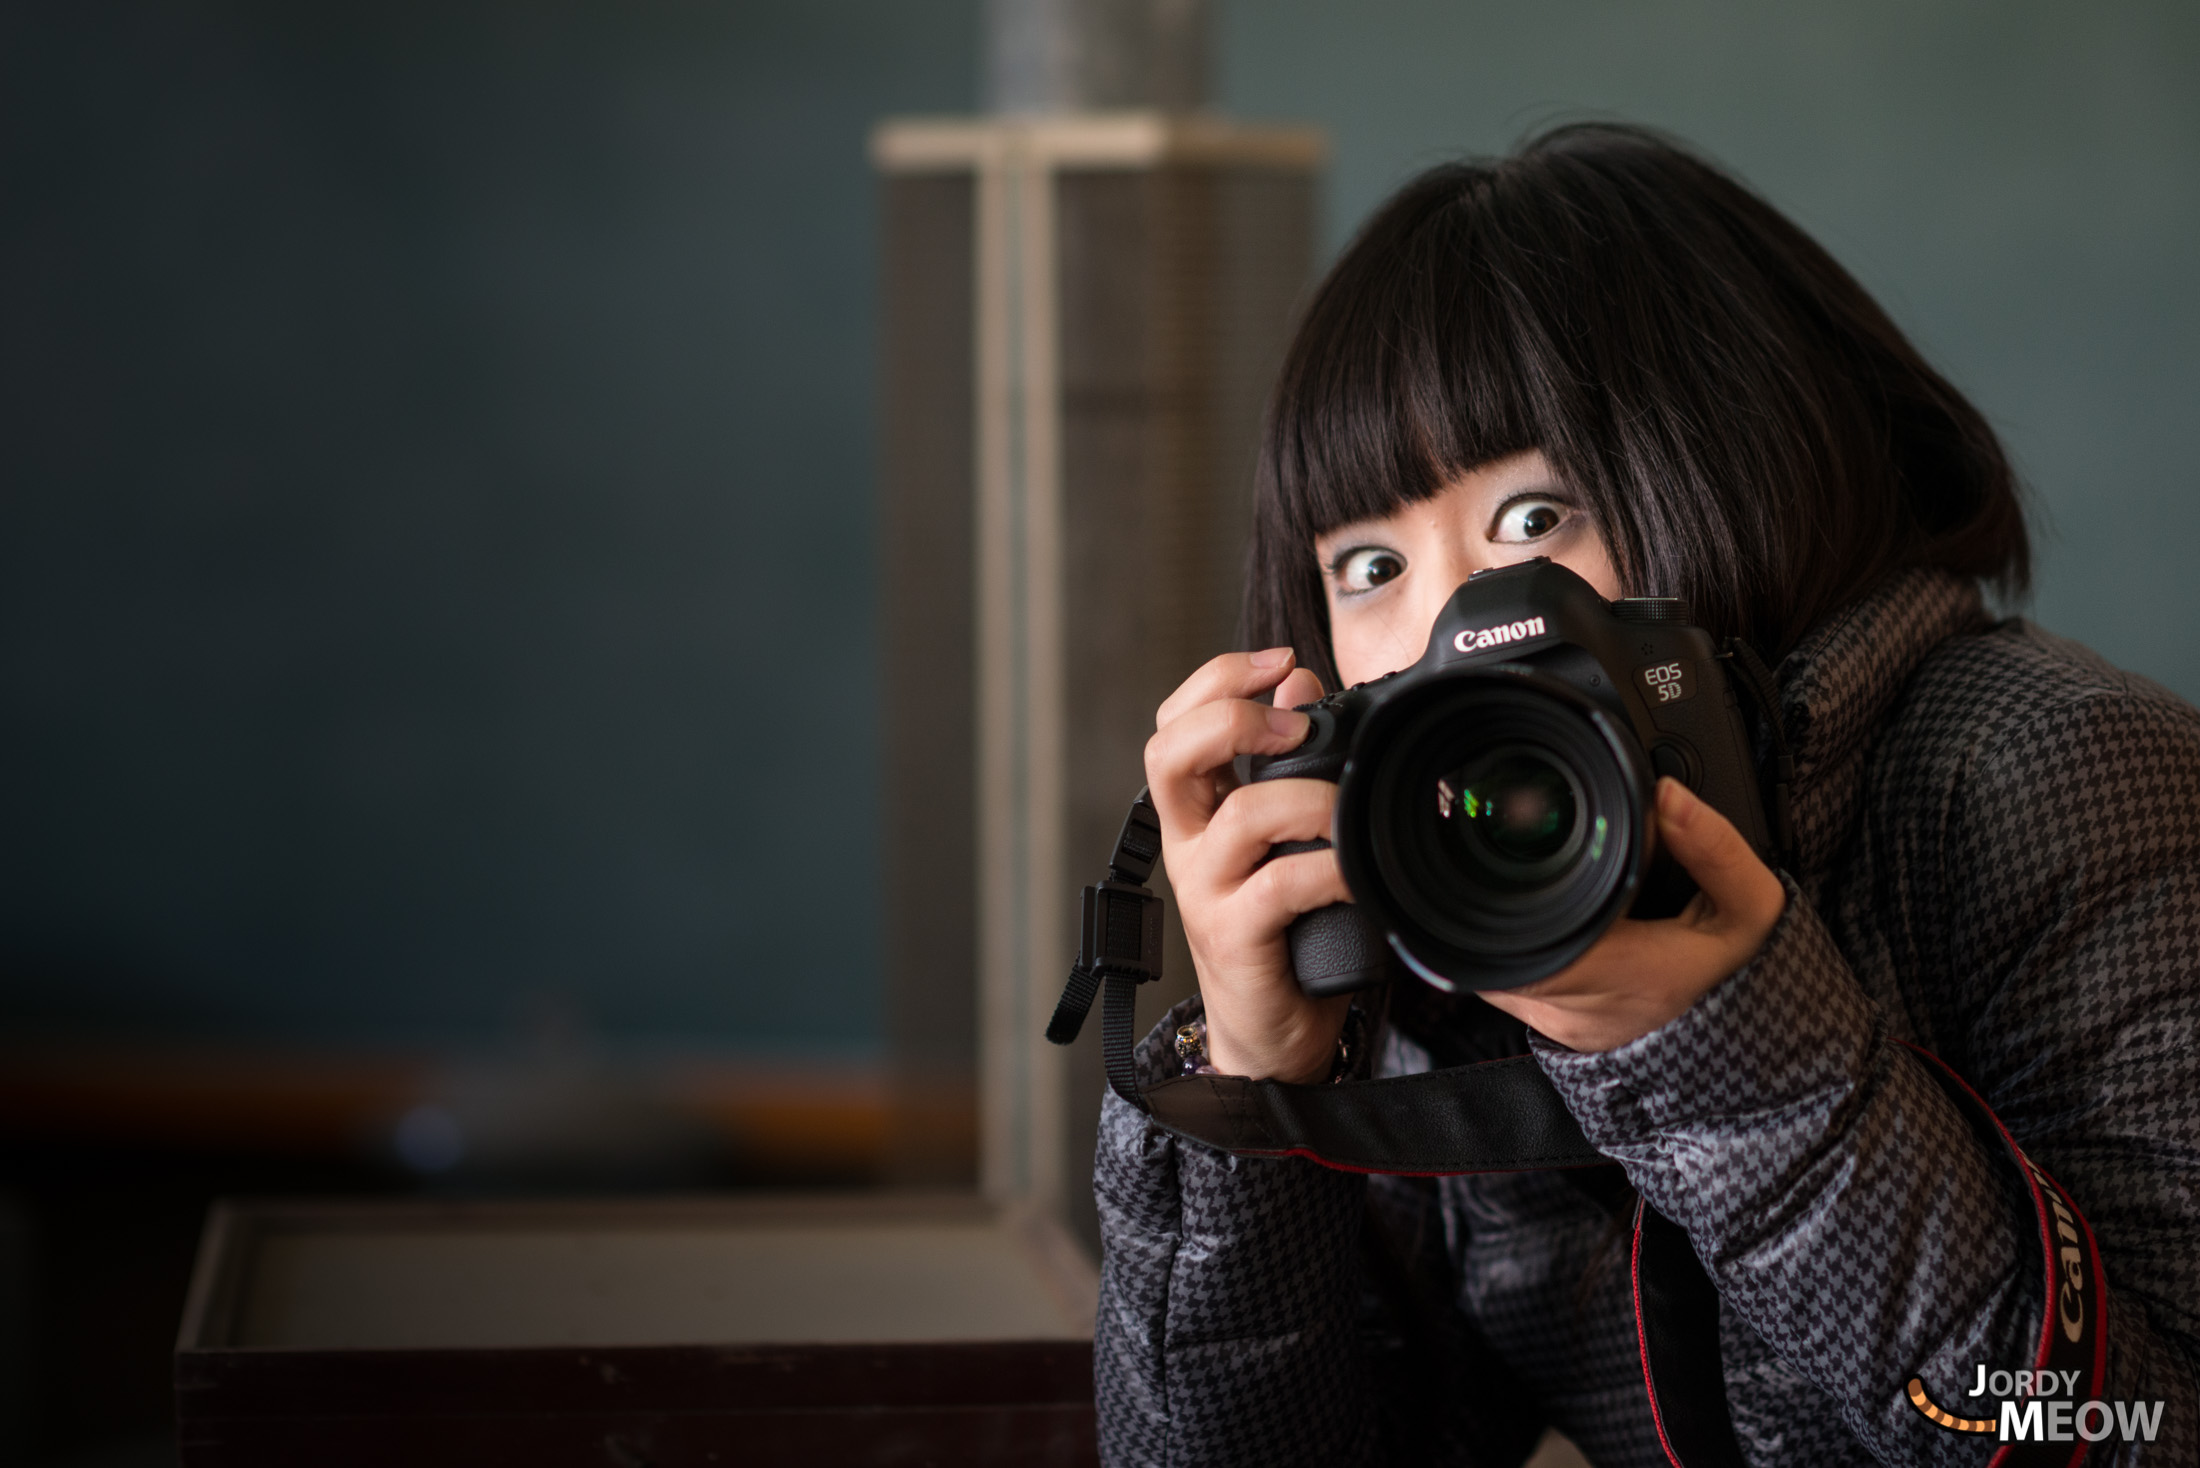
(1387, 579)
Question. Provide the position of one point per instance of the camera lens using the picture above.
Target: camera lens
(1511, 817)
(1490, 823)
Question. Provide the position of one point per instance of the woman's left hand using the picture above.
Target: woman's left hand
(1640, 975)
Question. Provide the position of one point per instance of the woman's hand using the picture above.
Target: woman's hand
(1215, 834)
(1642, 974)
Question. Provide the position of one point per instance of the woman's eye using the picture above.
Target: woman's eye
(1367, 568)
(1528, 520)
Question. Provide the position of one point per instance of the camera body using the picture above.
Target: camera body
(1495, 802)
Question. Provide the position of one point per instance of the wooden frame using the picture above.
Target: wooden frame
(853, 1403)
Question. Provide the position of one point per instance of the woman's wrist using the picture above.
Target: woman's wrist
(1337, 1061)
(1298, 1060)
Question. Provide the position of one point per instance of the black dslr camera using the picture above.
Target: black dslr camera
(1495, 800)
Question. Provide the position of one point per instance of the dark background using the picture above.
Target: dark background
(434, 569)
(436, 474)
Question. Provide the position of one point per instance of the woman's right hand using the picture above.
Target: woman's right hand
(1215, 835)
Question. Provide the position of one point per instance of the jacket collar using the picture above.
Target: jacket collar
(1838, 685)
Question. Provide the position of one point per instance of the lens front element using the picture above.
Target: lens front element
(1512, 817)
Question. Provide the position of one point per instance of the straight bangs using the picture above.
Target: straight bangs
(1743, 424)
(1405, 373)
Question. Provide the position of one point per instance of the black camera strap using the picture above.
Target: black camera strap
(2074, 1325)
(1119, 946)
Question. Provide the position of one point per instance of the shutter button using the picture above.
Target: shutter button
(1671, 759)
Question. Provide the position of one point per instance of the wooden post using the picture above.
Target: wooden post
(1130, 282)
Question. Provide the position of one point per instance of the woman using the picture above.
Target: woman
(1604, 351)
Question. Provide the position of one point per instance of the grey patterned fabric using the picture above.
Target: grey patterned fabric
(1999, 859)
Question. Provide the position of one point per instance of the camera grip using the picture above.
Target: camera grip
(1334, 949)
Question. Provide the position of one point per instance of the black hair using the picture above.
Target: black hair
(1745, 425)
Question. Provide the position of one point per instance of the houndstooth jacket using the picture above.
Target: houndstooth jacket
(1998, 859)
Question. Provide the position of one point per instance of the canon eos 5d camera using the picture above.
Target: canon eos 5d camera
(1494, 800)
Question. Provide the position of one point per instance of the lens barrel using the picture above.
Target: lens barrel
(1492, 823)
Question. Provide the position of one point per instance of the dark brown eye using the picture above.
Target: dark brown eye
(1528, 519)
(1367, 568)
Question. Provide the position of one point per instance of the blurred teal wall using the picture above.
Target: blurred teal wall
(436, 444)
(435, 482)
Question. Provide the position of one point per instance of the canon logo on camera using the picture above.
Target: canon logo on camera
(1475, 641)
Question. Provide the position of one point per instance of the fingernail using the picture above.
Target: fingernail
(1287, 721)
(1675, 800)
(1271, 657)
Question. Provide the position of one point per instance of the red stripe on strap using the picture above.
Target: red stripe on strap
(1642, 1342)
(2094, 1316)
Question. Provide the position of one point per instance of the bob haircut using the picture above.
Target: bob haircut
(1741, 421)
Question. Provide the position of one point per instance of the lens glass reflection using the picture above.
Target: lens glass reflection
(1511, 816)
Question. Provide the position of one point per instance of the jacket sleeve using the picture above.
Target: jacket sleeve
(1228, 1290)
(1842, 1203)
